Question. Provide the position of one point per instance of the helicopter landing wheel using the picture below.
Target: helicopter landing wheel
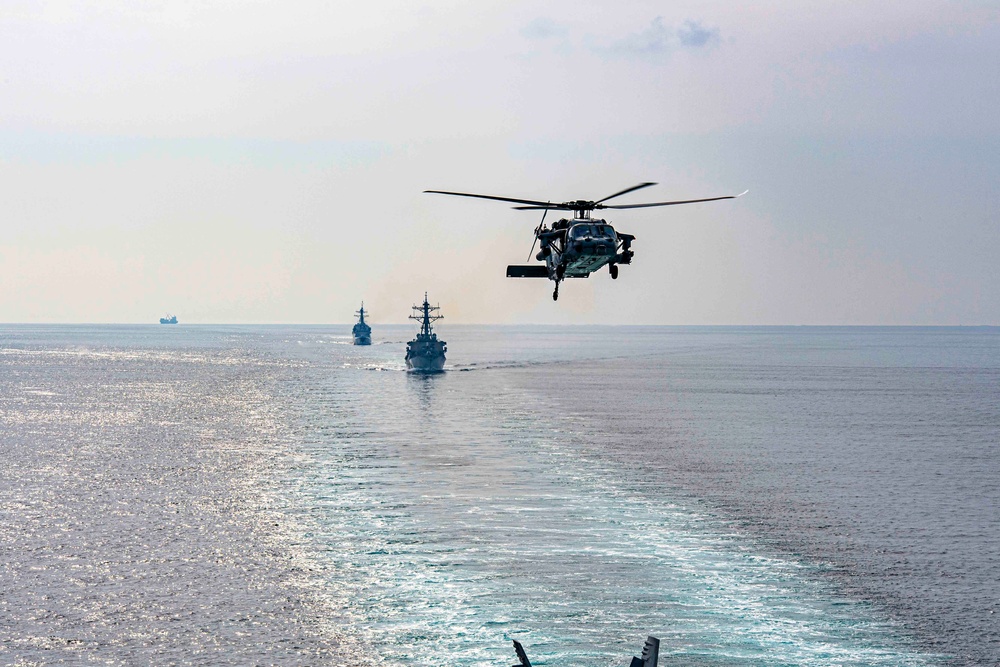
(555, 293)
(613, 268)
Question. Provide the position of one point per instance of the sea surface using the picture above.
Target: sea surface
(273, 495)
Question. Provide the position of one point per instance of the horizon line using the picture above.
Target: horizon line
(505, 324)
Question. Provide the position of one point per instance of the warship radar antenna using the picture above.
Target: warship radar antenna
(361, 313)
(424, 314)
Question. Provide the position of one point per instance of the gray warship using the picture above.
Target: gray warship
(425, 353)
(362, 332)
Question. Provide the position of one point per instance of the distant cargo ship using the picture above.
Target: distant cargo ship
(425, 353)
(169, 319)
(362, 332)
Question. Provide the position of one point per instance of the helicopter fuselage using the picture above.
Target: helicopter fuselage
(576, 248)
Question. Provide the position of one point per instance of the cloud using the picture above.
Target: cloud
(659, 39)
(694, 35)
(543, 28)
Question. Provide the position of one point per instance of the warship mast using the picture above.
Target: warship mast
(423, 314)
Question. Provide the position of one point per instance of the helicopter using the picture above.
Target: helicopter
(578, 247)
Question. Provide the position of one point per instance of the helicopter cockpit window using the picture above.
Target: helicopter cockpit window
(594, 231)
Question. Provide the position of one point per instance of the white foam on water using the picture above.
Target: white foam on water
(451, 526)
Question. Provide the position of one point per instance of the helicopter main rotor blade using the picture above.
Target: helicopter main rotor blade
(625, 192)
(466, 194)
(548, 207)
(673, 203)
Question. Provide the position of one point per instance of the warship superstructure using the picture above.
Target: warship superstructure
(362, 332)
(425, 353)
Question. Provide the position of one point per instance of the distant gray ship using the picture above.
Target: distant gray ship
(169, 319)
(362, 332)
(425, 353)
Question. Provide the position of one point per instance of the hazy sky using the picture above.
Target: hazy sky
(264, 161)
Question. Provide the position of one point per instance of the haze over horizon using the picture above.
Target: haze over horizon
(264, 163)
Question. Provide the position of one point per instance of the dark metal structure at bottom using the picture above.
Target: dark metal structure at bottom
(650, 654)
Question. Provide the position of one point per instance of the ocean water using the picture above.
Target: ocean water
(275, 495)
